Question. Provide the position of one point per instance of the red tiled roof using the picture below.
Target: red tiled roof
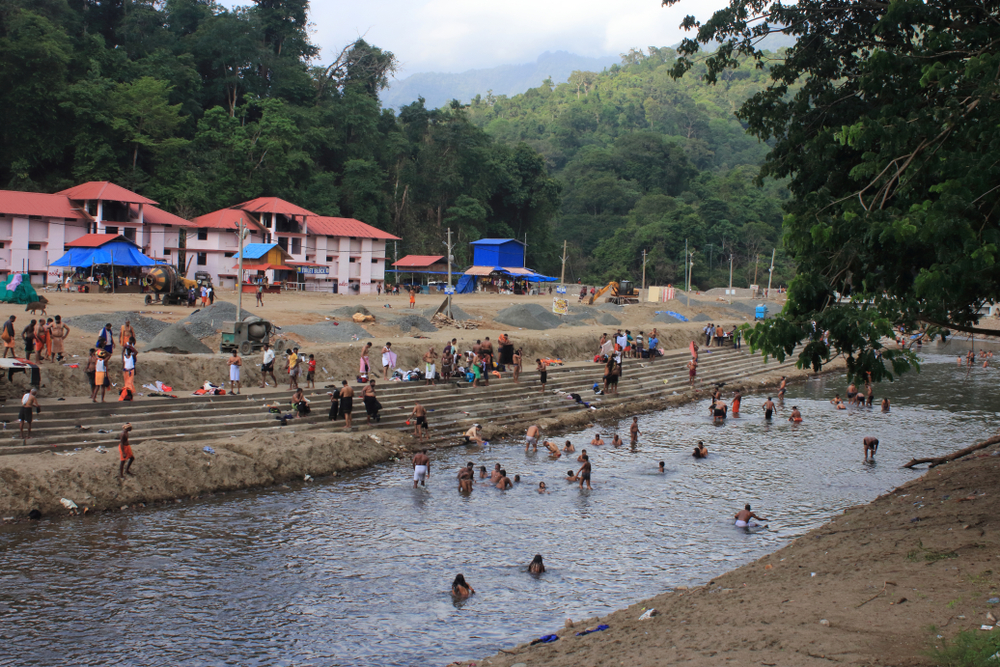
(418, 261)
(326, 226)
(226, 218)
(95, 240)
(304, 264)
(265, 267)
(37, 203)
(157, 216)
(105, 190)
(272, 205)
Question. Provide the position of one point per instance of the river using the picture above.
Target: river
(356, 570)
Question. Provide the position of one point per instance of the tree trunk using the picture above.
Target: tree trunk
(936, 461)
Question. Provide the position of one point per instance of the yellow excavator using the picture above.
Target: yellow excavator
(621, 293)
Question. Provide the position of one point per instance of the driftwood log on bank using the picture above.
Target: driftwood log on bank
(936, 461)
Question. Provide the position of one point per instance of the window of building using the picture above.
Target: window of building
(202, 234)
(166, 252)
(110, 230)
(329, 258)
(374, 260)
(351, 259)
(202, 258)
(130, 233)
(4, 245)
(230, 254)
(34, 246)
(296, 246)
(283, 243)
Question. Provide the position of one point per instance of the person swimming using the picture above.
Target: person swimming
(536, 566)
(837, 402)
(482, 472)
(571, 476)
(569, 448)
(541, 487)
(885, 405)
(460, 588)
(616, 441)
(504, 483)
(465, 477)
(517, 479)
(662, 469)
(700, 450)
(743, 518)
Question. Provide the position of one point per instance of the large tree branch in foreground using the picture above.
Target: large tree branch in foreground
(962, 327)
(955, 455)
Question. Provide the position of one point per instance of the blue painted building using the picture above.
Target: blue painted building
(508, 253)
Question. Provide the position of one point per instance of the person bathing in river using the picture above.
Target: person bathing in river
(837, 402)
(616, 441)
(737, 399)
(796, 417)
(584, 473)
(421, 468)
(459, 588)
(531, 437)
(568, 448)
(662, 469)
(885, 405)
(482, 472)
(700, 451)
(496, 474)
(474, 435)
(597, 440)
(504, 482)
(536, 566)
(633, 431)
(719, 409)
(743, 518)
(571, 477)
(541, 487)
(553, 449)
(465, 477)
(768, 408)
(871, 444)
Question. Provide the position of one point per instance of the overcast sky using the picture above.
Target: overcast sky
(456, 35)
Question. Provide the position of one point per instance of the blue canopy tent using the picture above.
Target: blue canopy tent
(96, 249)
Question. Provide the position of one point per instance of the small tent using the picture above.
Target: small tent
(17, 289)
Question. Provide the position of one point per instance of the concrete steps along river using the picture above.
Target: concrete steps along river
(452, 406)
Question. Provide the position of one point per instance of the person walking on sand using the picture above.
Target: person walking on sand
(100, 376)
(584, 473)
(420, 427)
(413, 298)
(543, 373)
(430, 370)
(9, 341)
(260, 295)
(28, 336)
(128, 371)
(91, 369)
(421, 468)
(293, 370)
(28, 402)
(126, 333)
(311, 372)
(267, 366)
(58, 333)
(125, 456)
(633, 431)
(743, 518)
(234, 372)
(871, 444)
(346, 403)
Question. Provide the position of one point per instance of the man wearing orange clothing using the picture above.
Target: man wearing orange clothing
(125, 452)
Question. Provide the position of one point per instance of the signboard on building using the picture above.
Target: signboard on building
(314, 270)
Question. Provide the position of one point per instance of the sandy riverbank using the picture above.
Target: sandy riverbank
(879, 585)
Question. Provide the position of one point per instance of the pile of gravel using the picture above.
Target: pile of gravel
(327, 332)
(457, 313)
(700, 317)
(176, 339)
(666, 319)
(608, 319)
(205, 322)
(578, 318)
(409, 321)
(528, 316)
(611, 307)
(146, 328)
(351, 311)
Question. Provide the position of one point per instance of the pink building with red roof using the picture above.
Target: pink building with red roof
(36, 228)
(327, 254)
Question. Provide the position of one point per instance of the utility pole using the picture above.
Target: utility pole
(770, 272)
(449, 272)
(239, 273)
(644, 269)
(756, 261)
(730, 271)
(687, 273)
(562, 276)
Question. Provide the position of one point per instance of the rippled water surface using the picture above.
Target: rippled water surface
(355, 571)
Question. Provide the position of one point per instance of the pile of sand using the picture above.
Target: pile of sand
(411, 321)
(328, 332)
(348, 312)
(146, 328)
(207, 321)
(528, 316)
(176, 339)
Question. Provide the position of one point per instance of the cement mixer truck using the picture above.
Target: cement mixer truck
(169, 288)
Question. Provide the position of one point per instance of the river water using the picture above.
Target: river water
(356, 570)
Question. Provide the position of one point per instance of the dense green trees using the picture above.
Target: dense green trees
(884, 119)
(201, 107)
(646, 162)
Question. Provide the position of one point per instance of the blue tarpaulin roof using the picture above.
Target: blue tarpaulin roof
(118, 252)
(257, 250)
(494, 241)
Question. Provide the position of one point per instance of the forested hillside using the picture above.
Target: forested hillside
(199, 108)
(647, 162)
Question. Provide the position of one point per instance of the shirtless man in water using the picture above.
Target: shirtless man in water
(583, 453)
(781, 388)
(744, 515)
(531, 437)
(420, 414)
(421, 468)
(768, 408)
(596, 441)
(871, 444)
(796, 417)
(465, 477)
(553, 449)
(616, 441)
(584, 473)
(497, 474)
(569, 448)
(633, 431)
(837, 403)
(503, 483)
(700, 450)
